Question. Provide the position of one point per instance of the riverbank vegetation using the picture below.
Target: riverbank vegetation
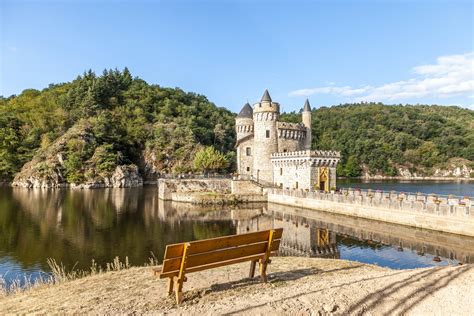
(82, 130)
(60, 274)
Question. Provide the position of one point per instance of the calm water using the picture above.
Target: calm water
(76, 226)
(461, 188)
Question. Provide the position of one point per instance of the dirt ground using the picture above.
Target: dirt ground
(296, 286)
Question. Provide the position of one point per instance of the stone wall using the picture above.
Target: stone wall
(294, 176)
(210, 191)
(288, 144)
(427, 212)
(244, 161)
(166, 187)
(246, 187)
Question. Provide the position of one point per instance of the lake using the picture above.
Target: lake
(459, 188)
(76, 226)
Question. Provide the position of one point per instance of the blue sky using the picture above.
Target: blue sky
(329, 51)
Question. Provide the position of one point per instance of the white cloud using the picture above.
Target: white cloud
(450, 76)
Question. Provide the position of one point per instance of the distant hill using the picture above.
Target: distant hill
(396, 140)
(83, 130)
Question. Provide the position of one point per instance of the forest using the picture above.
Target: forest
(97, 122)
(379, 138)
(109, 120)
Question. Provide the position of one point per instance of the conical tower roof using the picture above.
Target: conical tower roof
(307, 107)
(246, 111)
(266, 96)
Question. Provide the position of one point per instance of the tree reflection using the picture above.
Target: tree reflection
(76, 226)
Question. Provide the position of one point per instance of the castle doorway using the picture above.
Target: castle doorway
(321, 185)
(323, 179)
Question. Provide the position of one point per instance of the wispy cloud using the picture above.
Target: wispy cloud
(450, 76)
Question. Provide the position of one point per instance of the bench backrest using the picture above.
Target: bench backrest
(214, 252)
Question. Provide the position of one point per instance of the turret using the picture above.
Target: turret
(244, 122)
(244, 130)
(265, 116)
(306, 118)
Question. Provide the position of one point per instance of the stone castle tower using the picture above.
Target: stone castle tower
(279, 153)
(265, 141)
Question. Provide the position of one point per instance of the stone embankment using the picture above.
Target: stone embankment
(210, 191)
(302, 286)
(447, 214)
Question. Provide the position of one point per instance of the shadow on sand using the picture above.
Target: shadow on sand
(420, 285)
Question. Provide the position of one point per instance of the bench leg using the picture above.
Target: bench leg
(179, 291)
(170, 285)
(263, 270)
(253, 263)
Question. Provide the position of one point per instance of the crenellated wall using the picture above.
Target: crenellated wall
(305, 169)
(428, 212)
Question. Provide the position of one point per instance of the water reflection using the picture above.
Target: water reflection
(320, 234)
(76, 226)
(369, 241)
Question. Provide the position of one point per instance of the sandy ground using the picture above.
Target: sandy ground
(296, 286)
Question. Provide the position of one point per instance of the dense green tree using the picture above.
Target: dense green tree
(209, 159)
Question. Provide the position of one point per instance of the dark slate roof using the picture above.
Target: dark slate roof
(307, 107)
(266, 96)
(246, 111)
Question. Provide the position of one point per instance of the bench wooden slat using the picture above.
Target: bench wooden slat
(176, 250)
(175, 273)
(229, 253)
(219, 255)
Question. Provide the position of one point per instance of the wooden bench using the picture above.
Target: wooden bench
(194, 256)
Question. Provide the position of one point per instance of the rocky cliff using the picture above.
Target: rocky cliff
(48, 170)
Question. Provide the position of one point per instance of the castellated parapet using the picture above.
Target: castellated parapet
(271, 151)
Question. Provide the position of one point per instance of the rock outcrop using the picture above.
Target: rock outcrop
(46, 169)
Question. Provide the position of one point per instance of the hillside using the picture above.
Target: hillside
(83, 130)
(395, 140)
(107, 128)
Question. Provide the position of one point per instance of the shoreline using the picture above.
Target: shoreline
(150, 183)
(296, 285)
(446, 179)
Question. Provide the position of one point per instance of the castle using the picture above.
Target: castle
(278, 153)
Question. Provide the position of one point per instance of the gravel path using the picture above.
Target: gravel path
(296, 286)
